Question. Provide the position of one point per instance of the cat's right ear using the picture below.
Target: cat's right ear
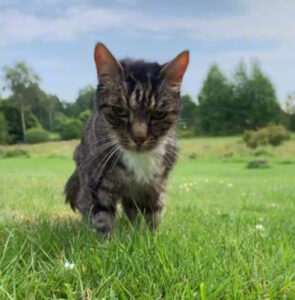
(107, 67)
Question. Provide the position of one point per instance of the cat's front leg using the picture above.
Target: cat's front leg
(153, 214)
(149, 206)
(103, 210)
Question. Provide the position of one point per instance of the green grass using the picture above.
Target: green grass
(228, 231)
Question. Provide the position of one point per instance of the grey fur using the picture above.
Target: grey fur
(103, 175)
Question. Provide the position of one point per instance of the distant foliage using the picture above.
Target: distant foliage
(188, 115)
(37, 135)
(271, 135)
(71, 129)
(83, 102)
(215, 104)
(248, 101)
(288, 116)
(4, 136)
(13, 153)
(185, 133)
(225, 106)
(254, 98)
(258, 164)
(18, 79)
(84, 115)
(13, 121)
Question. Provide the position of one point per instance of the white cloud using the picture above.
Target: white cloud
(265, 19)
(17, 26)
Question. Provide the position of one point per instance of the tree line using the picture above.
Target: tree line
(29, 107)
(224, 106)
(229, 106)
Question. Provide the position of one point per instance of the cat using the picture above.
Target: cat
(129, 143)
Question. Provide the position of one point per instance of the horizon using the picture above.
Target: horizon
(57, 40)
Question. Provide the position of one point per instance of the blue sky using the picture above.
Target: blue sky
(57, 37)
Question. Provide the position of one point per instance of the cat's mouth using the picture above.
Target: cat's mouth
(137, 147)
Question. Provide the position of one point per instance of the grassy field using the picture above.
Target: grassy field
(228, 231)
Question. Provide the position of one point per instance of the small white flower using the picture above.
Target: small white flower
(221, 181)
(230, 185)
(259, 227)
(69, 266)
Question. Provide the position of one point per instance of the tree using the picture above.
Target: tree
(215, 103)
(71, 129)
(83, 102)
(248, 102)
(290, 104)
(290, 111)
(188, 113)
(13, 120)
(54, 106)
(4, 136)
(44, 106)
(254, 98)
(84, 115)
(18, 78)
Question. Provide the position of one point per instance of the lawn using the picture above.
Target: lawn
(228, 231)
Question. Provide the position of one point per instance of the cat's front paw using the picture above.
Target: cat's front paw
(103, 222)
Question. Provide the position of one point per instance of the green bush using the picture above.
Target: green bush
(258, 164)
(84, 115)
(271, 135)
(193, 155)
(262, 152)
(54, 137)
(277, 134)
(187, 133)
(13, 153)
(37, 135)
(71, 129)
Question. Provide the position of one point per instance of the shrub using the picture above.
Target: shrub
(84, 115)
(262, 152)
(187, 133)
(71, 129)
(54, 137)
(193, 155)
(13, 153)
(277, 134)
(271, 135)
(258, 164)
(37, 135)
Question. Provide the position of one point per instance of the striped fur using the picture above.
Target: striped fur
(136, 105)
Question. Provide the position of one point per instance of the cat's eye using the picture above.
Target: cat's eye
(158, 114)
(120, 111)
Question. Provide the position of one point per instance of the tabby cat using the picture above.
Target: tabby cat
(129, 144)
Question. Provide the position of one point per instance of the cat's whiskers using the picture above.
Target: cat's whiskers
(116, 148)
(98, 151)
(96, 141)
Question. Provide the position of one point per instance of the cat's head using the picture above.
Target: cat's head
(139, 101)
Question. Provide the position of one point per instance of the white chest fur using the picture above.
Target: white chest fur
(144, 165)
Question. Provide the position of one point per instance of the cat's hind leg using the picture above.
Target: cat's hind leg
(72, 188)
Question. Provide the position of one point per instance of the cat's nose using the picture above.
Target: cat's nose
(139, 133)
(139, 140)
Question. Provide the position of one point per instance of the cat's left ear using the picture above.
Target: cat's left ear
(107, 66)
(173, 71)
